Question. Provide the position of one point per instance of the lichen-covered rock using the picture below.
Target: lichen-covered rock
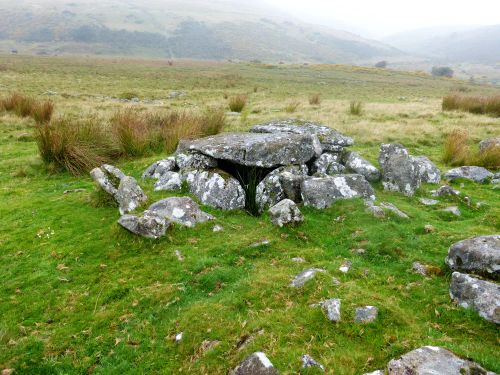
(259, 149)
(124, 189)
(489, 143)
(322, 192)
(328, 163)
(270, 191)
(255, 364)
(181, 210)
(445, 191)
(476, 174)
(399, 171)
(216, 189)
(169, 181)
(308, 362)
(194, 160)
(285, 212)
(331, 308)
(453, 210)
(366, 314)
(428, 202)
(430, 360)
(304, 277)
(331, 140)
(480, 295)
(479, 255)
(149, 225)
(426, 170)
(392, 208)
(159, 168)
(355, 163)
(290, 183)
(375, 210)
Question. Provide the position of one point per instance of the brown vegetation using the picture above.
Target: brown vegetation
(315, 99)
(474, 104)
(237, 103)
(24, 106)
(458, 152)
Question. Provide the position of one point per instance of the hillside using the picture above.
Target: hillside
(224, 29)
(460, 44)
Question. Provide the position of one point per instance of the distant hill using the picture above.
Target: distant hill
(199, 29)
(460, 44)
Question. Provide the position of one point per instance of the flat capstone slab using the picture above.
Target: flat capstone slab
(259, 150)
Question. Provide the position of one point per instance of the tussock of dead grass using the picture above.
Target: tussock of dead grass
(27, 106)
(474, 104)
(237, 103)
(457, 151)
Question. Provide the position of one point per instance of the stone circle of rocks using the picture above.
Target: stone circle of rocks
(479, 256)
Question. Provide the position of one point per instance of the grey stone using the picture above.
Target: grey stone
(285, 212)
(479, 255)
(346, 266)
(331, 308)
(366, 314)
(431, 360)
(216, 189)
(428, 202)
(392, 208)
(375, 210)
(376, 372)
(298, 260)
(129, 195)
(169, 181)
(149, 225)
(270, 190)
(258, 150)
(480, 295)
(489, 143)
(290, 184)
(194, 160)
(255, 364)
(328, 163)
(159, 168)
(419, 268)
(355, 163)
(476, 174)
(399, 171)
(217, 228)
(308, 362)
(331, 140)
(454, 210)
(304, 277)
(321, 192)
(108, 178)
(445, 191)
(426, 170)
(182, 210)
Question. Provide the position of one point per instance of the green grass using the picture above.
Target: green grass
(80, 295)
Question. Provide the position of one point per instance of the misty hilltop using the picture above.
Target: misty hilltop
(196, 29)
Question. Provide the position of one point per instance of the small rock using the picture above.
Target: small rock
(428, 202)
(355, 163)
(429, 228)
(345, 267)
(366, 314)
(376, 211)
(182, 210)
(178, 337)
(476, 174)
(255, 364)
(482, 296)
(217, 228)
(169, 181)
(394, 210)
(304, 277)
(335, 281)
(489, 143)
(179, 255)
(260, 243)
(308, 361)
(454, 210)
(359, 251)
(149, 225)
(376, 372)
(159, 168)
(298, 260)
(331, 308)
(285, 212)
(419, 268)
(445, 191)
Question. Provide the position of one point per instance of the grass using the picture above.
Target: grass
(237, 103)
(458, 151)
(489, 105)
(25, 106)
(315, 99)
(356, 108)
(292, 107)
(81, 295)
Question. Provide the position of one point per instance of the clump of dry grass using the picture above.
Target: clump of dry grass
(292, 106)
(42, 111)
(315, 99)
(131, 131)
(24, 106)
(474, 104)
(237, 103)
(356, 108)
(457, 151)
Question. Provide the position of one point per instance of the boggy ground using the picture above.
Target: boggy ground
(81, 295)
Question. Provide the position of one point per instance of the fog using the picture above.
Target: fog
(378, 18)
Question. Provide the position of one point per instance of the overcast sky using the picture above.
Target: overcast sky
(383, 17)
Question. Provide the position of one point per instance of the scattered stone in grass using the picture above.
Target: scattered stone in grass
(376, 372)
(255, 364)
(394, 210)
(179, 255)
(205, 346)
(178, 337)
(74, 191)
(345, 267)
(298, 260)
(428, 228)
(305, 276)
(149, 225)
(419, 268)
(479, 255)
(260, 243)
(182, 210)
(473, 173)
(285, 212)
(433, 360)
(428, 202)
(335, 281)
(376, 211)
(359, 251)
(217, 228)
(331, 308)
(308, 361)
(366, 272)
(454, 210)
(480, 295)
(366, 314)
(445, 191)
